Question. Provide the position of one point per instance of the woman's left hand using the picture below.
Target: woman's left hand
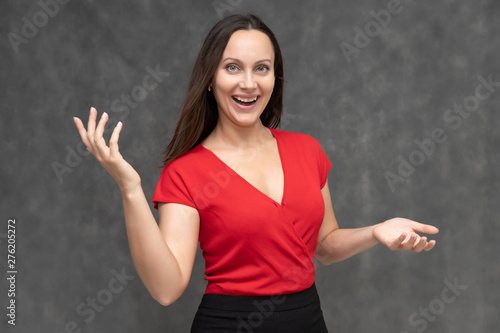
(400, 234)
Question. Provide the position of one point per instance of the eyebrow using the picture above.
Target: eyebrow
(238, 60)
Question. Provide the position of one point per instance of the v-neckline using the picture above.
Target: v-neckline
(280, 153)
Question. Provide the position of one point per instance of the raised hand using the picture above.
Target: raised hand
(109, 157)
(401, 234)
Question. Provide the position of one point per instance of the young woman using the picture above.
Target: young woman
(254, 196)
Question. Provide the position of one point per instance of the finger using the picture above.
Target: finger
(419, 246)
(91, 131)
(414, 240)
(425, 228)
(81, 130)
(396, 244)
(98, 138)
(430, 245)
(83, 134)
(408, 244)
(91, 122)
(100, 126)
(113, 141)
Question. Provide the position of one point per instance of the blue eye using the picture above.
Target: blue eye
(232, 68)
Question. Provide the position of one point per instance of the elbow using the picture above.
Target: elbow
(166, 300)
(325, 261)
(169, 297)
(328, 255)
(324, 255)
(328, 263)
(333, 256)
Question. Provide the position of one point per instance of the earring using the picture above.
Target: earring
(210, 87)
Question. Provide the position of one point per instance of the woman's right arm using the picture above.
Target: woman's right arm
(163, 255)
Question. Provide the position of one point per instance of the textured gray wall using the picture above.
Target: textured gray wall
(371, 98)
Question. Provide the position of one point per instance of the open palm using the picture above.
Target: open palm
(401, 234)
(109, 157)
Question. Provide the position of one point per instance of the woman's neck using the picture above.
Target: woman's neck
(238, 138)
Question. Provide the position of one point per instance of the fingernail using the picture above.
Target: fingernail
(104, 115)
(119, 123)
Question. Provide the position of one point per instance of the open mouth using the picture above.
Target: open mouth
(245, 101)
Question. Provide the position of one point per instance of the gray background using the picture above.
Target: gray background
(365, 113)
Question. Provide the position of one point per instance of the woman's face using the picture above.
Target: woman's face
(244, 80)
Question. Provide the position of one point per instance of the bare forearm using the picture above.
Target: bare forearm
(153, 260)
(341, 244)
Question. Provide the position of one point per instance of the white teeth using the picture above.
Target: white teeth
(245, 100)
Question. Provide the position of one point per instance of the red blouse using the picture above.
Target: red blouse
(252, 244)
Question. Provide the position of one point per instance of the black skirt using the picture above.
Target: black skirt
(298, 312)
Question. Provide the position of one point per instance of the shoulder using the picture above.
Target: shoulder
(296, 138)
(189, 161)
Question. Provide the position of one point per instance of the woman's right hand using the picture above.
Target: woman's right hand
(109, 157)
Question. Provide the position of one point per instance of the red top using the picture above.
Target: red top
(252, 244)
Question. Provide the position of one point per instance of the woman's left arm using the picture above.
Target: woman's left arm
(336, 244)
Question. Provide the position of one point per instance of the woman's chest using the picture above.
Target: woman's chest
(260, 170)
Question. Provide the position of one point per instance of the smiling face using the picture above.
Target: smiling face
(244, 80)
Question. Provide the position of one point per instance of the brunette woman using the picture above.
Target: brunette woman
(254, 196)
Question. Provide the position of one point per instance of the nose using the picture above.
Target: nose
(248, 81)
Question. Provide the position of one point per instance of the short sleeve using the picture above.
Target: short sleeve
(324, 165)
(171, 187)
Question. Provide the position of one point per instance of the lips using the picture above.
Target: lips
(245, 101)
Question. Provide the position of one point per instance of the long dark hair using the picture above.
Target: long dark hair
(199, 111)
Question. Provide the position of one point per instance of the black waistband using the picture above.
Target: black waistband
(260, 303)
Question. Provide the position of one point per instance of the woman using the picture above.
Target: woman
(254, 196)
